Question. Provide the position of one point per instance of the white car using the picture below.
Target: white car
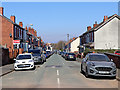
(24, 61)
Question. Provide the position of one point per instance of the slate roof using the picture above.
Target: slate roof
(101, 24)
(10, 21)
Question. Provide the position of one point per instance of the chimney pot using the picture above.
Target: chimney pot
(105, 18)
(21, 24)
(94, 25)
(88, 28)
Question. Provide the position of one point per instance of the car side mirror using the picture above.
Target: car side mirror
(33, 58)
(84, 59)
(15, 59)
(111, 60)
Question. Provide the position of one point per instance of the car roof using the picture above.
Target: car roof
(96, 54)
(70, 53)
(26, 54)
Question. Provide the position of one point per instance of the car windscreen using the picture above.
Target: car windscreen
(36, 54)
(71, 54)
(23, 57)
(117, 51)
(98, 58)
(34, 51)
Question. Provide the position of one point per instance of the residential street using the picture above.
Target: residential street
(55, 73)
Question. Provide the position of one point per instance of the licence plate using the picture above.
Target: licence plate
(25, 65)
(71, 56)
(103, 72)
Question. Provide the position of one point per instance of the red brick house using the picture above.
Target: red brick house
(10, 32)
(14, 37)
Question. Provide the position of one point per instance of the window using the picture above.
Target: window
(21, 33)
(15, 46)
(15, 31)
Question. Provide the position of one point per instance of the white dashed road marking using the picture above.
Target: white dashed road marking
(58, 72)
(58, 81)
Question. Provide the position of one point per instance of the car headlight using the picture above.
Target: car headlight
(16, 62)
(113, 65)
(92, 64)
(31, 61)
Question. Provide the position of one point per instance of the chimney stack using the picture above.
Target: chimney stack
(1, 10)
(26, 28)
(88, 28)
(94, 25)
(21, 24)
(73, 38)
(29, 29)
(105, 18)
(12, 18)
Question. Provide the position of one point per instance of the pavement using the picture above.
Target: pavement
(6, 69)
(55, 73)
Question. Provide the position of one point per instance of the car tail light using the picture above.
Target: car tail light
(75, 55)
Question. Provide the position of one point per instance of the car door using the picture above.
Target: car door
(84, 62)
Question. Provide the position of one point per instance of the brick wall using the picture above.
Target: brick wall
(5, 56)
(115, 58)
(7, 29)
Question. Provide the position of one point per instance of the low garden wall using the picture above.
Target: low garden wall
(115, 58)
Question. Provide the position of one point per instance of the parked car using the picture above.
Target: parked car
(117, 52)
(64, 54)
(24, 61)
(70, 56)
(38, 56)
(48, 53)
(95, 64)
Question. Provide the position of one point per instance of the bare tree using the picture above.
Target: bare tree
(59, 46)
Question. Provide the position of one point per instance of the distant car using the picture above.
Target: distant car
(95, 64)
(63, 55)
(117, 52)
(70, 56)
(24, 61)
(38, 56)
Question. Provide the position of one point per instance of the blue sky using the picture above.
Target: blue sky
(54, 20)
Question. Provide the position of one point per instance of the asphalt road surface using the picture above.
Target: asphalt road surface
(55, 73)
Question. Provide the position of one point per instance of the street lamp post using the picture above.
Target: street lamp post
(68, 41)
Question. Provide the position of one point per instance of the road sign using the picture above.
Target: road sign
(16, 41)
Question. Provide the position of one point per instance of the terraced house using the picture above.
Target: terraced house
(102, 36)
(14, 37)
(11, 32)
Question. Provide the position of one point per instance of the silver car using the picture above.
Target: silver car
(95, 64)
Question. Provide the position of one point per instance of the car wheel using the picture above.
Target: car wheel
(15, 70)
(45, 60)
(66, 59)
(81, 69)
(34, 68)
(86, 73)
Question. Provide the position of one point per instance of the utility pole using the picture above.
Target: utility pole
(68, 42)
